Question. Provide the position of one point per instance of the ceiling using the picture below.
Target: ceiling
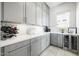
(53, 4)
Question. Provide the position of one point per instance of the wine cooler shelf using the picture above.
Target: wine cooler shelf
(70, 42)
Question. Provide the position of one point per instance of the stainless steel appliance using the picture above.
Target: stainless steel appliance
(71, 43)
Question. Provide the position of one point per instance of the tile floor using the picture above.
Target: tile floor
(55, 51)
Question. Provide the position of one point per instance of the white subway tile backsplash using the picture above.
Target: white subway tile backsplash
(24, 29)
(34, 30)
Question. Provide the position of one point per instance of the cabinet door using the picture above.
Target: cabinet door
(36, 47)
(44, 18)
(47, 17)
(60, 40)
(48, 40)
(30, 13)
(0, 20)
(43, 42)
(0, 51)
(0, 11)
(47, 20)
(24, 51)
(14, 11)
(54, 39)
(39, 15)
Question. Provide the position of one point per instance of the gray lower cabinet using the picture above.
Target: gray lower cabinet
(54, 39)
(48, 40)
(43, 42)
(60, 40)
(23, 51)
(33, 47)
(36, 47)
(57, 39)
(39, 44)
(0, 51)
(18, 49)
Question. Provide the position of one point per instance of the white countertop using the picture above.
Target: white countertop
(19, 39)
(65, 33)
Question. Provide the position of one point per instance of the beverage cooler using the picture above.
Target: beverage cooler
(66, 42)
(74, 42)
(71, 43)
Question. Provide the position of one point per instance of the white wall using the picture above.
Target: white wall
(71, 6)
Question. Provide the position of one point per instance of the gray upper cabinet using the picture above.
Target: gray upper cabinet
(39, 14)
(30, 13)
(45, 15)
(0, 11)
(26, 12)
(44, 18)
(54, 39)
(14, 11)
(42, 14)
(0, 20)
(60, 40)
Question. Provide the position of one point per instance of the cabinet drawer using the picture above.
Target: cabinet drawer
(54, 36)
(36, 38)
(54, 43)
(54, 40)
(16, 46)
(24, 51)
